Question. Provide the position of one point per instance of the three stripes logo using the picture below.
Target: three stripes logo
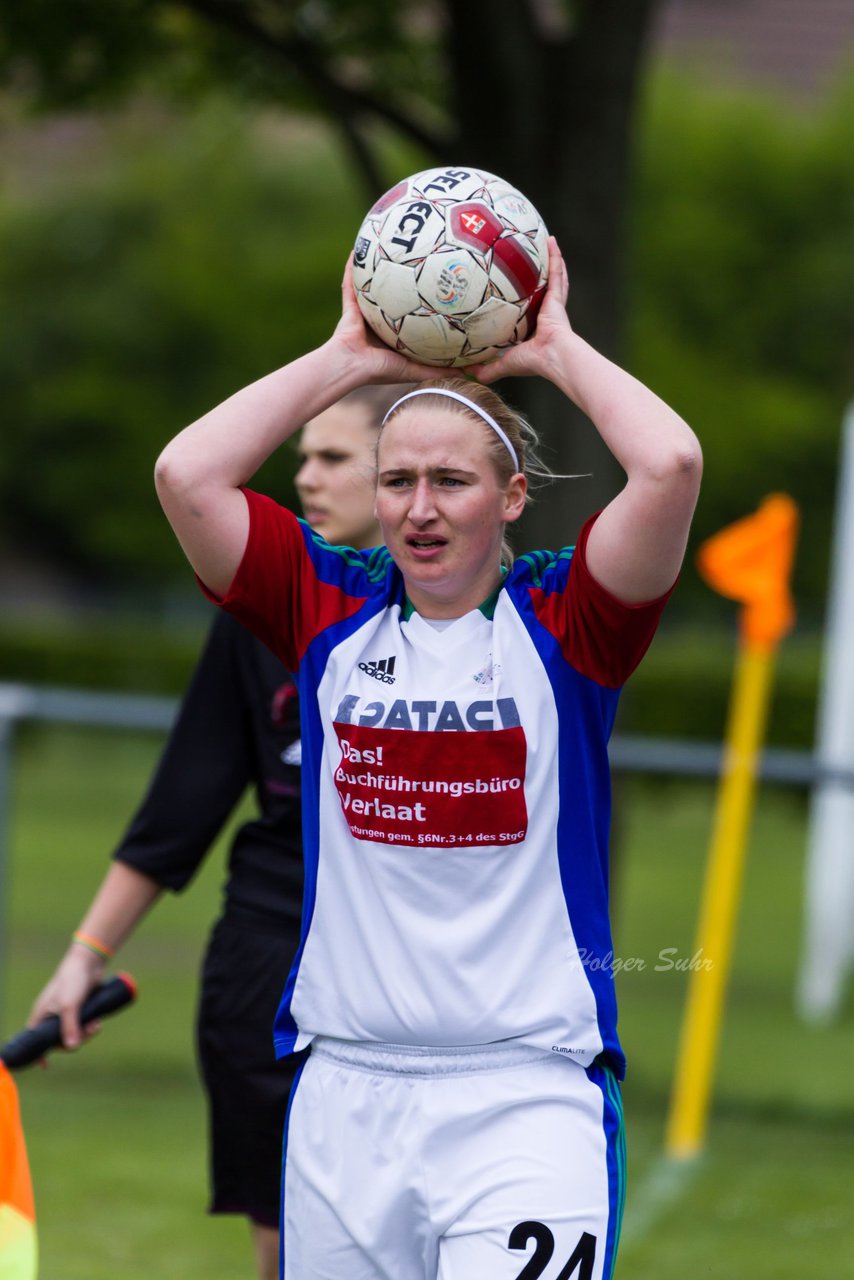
(382, 670)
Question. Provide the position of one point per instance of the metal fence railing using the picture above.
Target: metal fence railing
(630, 753)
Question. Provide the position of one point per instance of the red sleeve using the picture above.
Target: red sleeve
(600, 636)
(277, 593)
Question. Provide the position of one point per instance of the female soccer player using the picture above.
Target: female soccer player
(237, 727)
(458, 1115)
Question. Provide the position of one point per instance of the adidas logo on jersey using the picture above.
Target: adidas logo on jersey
(382, 670)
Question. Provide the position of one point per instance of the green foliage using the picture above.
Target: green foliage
(743, 276)
(349, 60)
(153, 274)
(683, 686)
(120, 653)
(78, 51)
(151, 263)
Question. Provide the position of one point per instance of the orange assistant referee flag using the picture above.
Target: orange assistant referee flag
(749, 561)
(17, 1208)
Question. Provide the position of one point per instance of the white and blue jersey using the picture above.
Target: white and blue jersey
(456, 795)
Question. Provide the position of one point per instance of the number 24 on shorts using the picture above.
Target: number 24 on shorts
(580, 1263)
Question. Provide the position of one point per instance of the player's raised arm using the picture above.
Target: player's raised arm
(200, 472)
(636, 546)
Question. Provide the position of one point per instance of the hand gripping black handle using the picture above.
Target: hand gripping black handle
(33, 1042)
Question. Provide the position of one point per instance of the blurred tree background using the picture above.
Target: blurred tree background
(542, 92)
(184, 180)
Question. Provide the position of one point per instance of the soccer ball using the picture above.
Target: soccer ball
(450, 266)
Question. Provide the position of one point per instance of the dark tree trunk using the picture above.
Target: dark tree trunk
(549, 105)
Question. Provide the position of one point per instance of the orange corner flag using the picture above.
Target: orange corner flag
(17, 1208)
(751, 561)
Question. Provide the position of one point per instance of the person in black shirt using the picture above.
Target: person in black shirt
(237, 726)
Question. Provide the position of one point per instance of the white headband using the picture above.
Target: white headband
(470, 404)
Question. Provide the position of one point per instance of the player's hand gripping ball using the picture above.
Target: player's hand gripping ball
(450, 266)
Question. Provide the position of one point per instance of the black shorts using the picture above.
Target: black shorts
(243, 977)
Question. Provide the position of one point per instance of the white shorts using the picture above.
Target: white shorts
(485, 1163)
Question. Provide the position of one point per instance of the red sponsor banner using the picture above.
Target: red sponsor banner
(451, 790)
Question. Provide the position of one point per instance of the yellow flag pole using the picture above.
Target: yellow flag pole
(749, 561)
(687, 1122)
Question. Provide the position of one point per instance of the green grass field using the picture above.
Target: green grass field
(116, 1132)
